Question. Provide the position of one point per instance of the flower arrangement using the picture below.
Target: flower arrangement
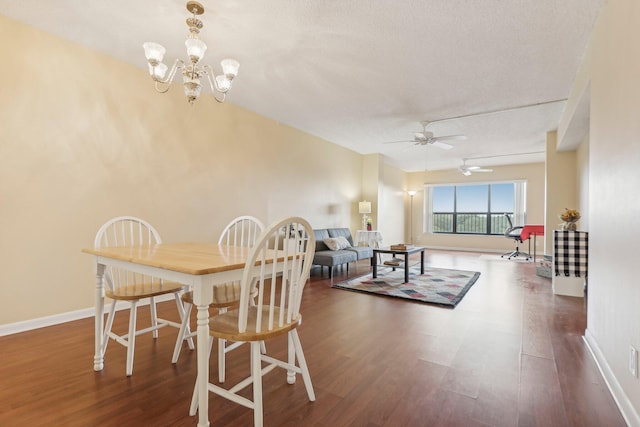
(369, 223)
(570, 217)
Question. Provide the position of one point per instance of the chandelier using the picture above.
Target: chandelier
(192, 72)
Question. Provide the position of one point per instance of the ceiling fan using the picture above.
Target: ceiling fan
(467, 170)
(428, 138)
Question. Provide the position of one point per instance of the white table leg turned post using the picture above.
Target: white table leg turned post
(202, 297)
(98, 357)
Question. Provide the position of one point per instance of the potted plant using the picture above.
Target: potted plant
(369, 224)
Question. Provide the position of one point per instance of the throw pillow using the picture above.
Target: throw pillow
(343, 242)
(336, 243)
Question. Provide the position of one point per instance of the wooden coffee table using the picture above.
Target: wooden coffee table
(387, 250)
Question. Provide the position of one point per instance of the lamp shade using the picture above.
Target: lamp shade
(159, 70)
(224, 84)
(412, 192)
(195, 49)
(364, 207)
(154, 52)
(230, 67)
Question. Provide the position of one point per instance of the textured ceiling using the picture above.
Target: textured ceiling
(362, 72)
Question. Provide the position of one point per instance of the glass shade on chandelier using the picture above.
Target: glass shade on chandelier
(192, 72)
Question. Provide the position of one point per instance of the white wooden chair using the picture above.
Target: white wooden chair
(124, 285)
(241, 231)
(269, 307)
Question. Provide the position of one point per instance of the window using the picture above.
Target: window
(474, 208)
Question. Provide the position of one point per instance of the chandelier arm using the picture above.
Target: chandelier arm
(161, 89)
(177, 65)
(215, 90)
(211, 78)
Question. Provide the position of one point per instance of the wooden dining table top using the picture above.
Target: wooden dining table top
(190, 258)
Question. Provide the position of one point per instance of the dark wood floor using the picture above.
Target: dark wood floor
(510, 354)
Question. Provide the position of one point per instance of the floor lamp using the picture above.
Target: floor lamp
(411, 193)
(364, 208)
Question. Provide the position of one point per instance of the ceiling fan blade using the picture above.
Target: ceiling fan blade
(451, 138)
(397, 142)
(483, 170)
(442, 145)
(472, 168)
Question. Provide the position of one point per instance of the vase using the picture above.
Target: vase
(570, 225)
(368, 227)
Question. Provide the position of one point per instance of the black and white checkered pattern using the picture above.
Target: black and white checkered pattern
(571, 253)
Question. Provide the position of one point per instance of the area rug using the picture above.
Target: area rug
(439, 286)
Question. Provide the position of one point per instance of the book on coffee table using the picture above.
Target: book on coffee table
(400, 247)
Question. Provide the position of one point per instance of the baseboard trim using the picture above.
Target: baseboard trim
(627, 410)
(456, 249)
(56, 319)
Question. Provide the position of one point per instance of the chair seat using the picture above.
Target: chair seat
(227, 295)
(143, 290)
(225, 326)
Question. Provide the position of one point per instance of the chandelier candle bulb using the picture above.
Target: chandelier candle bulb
(190, 70)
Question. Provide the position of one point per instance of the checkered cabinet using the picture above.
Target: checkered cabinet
(570, 262)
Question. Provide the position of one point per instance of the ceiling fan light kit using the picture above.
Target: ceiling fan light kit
(191, 70)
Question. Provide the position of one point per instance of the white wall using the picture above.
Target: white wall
(613, 318)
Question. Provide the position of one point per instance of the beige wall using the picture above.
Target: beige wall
(393, 221)
(371, 178)
(613, 318)
(582, 182)
(562, 188)
(86, 138)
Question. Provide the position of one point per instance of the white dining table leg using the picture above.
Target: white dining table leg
(98, 357)
(201, 295)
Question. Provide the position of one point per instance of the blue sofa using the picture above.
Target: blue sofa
(329, 258)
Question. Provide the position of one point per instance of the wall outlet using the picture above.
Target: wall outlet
(633, 361)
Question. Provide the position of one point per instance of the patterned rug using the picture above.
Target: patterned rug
(436, 286)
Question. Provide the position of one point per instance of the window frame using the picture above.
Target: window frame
(518, 215)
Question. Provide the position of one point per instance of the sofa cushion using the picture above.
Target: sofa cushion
(332, 258)
(362, 252)
(343, 232)
(336, 243)
(320, 235)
